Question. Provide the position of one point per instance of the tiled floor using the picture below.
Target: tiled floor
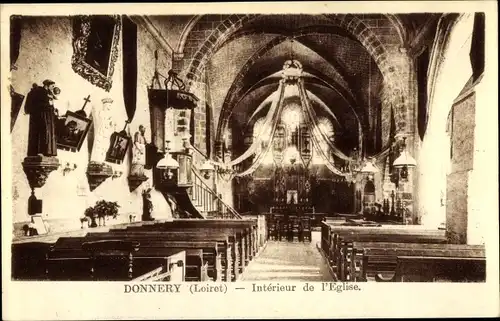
(287, 261)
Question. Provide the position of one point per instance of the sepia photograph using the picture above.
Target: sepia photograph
(294, 154)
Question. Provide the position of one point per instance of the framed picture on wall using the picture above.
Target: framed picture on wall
(71, 131)
(118, 147)
(95, 48)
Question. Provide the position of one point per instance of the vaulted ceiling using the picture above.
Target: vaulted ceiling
(341, 73)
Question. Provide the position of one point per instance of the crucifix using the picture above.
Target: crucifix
(87, 100)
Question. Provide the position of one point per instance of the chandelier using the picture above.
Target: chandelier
(289, 132)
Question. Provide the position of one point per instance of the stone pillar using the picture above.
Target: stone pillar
(471, 179)
(483, 179)
(413, 139)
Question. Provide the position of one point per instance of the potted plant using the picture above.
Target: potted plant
(92, 215)
(84, 219)
(29, 229)
(102, 210)
(105, 210)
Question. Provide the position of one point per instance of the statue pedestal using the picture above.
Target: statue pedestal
(135, 180)
(38, 168)
(97, 173)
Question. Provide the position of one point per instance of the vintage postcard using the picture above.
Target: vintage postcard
(249, 160)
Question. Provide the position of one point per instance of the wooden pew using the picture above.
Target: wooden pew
(360, 260)
(356, 252)
(245, 232)
(87, 260)
(338, 241)
(70, 259)
(250, 226)
(210, 251)
(242, 236)
(28, 260)
(428, 269)
(173, 271)
(227, 245)
(338, 237)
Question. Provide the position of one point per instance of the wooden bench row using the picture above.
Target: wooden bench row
(395, 254)
(242, 238)
(215, 249)
(332, 237)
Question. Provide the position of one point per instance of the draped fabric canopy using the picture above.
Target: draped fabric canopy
(290, 83)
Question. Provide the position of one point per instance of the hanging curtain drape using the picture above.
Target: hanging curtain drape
(129, 57)
(269, 127)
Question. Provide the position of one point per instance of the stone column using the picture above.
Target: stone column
(482, 193)
(98, 171)
(413, 139)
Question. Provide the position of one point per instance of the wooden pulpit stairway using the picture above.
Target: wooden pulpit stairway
(188, 190)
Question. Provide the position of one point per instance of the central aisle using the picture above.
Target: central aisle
(287, 261)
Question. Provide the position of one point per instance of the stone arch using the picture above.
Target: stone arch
(239, 79)
(186, 31)
(400, 29)
(351, 23)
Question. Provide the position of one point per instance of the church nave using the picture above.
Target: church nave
(184, 146)
(289, 261)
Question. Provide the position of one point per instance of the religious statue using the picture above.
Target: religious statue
(147, 205)
(139, 152)
(104, 126)
(40, 106)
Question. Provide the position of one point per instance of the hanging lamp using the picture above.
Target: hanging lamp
(168, 162)
(207, 169)
(369, 167)
(404, 161)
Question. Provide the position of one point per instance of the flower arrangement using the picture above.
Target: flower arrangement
(101, 210)
(30, 229)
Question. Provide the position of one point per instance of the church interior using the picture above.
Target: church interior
(237, 147)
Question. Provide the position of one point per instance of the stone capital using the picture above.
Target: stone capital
(177, 56)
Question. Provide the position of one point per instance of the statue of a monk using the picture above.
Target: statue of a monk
(40, 107)
(139, 152)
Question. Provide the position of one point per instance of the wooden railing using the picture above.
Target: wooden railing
(205, 197)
